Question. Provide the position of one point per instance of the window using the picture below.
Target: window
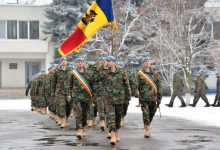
(2, 29)
(23, 29)
(34, 29)
(12, 29)
(13, 65)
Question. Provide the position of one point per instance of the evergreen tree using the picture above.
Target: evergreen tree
(63, 16)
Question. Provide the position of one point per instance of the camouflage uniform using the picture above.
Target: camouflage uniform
(60, 89)
(200, 91)
(99, 90)
(148, 98)
(177, 91)
(217, 97)
(134, 90)
(40, 91)
(48, 89)
(117, 87)
(93, 106)
(81, 98)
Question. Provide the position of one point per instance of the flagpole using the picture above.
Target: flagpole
(113, 35)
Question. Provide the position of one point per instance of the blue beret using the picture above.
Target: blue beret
(111, 58)
(62, 58)
(120, 63)
(79, 59)
(145, 59)
(173, 70)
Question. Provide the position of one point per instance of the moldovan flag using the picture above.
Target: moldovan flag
(98, 15)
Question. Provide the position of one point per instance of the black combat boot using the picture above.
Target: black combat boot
(193, 105)
(183, 105)
(168, 105)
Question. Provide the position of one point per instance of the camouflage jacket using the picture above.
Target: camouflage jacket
(117, 86)
(60, 82)
(40, 86)
(98, 77)
(200, 86)
(33, 87)
(218, 85)
(177, 84)
(48, 86)
(79, 94)
(133, 84)
(146, 92)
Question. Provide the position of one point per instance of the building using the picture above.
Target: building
(24, 49)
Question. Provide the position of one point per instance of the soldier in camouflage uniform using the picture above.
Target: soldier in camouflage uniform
(48, 88)
(149, 95)
(80, 96)
(117, 87)
(40, 92)
(93, 106)
(30, 88)
(200, 91)
(134, 90)
(177, 89)
(61, 91)
(217, 97)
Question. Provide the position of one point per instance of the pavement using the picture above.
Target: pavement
(26, 130)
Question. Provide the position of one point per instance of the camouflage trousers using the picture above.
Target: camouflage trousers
(101, 108)
(51, 103)
(81, 114)
(92, 110)
(41, 102)
(126, 104)
(148, 110)
(33, 103)
(174, 95)
(197, 97)
(63, 106)
(114, 113)
(217, 97)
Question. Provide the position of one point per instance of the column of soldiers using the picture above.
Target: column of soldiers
(104, 87)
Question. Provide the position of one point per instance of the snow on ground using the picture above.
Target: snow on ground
(203, 115)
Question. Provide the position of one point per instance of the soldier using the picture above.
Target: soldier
(93, 106)
(61, 90)
(116, 86)
(149, 87)
(30, 88)
(80, 86)
(48, 88)
(200, 90)
(134, 90)
(99, 90)
(177, 89)
(217, 97)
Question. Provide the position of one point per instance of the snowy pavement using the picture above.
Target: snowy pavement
(202, 115)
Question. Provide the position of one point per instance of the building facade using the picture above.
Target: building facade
(24, 49)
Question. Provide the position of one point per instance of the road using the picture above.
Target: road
(26, 130)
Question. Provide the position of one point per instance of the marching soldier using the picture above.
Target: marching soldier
(149, 87)
(80, 86)
(116, 86)
(40, 92)
(61, 91)
(177, 89)
(48, 88)
(217, 97)
(200, 91)
(99, 90)
(134, 90)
